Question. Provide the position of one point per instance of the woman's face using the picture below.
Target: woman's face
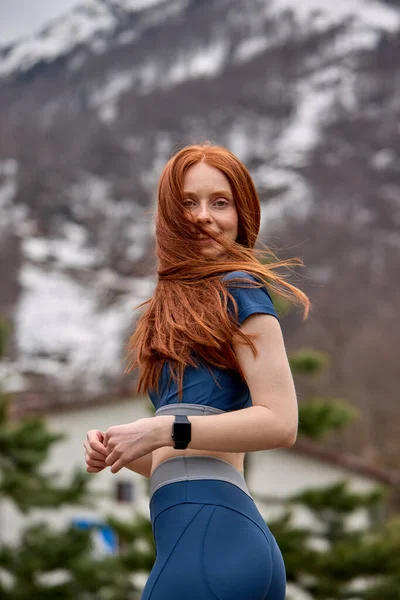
(208, 196)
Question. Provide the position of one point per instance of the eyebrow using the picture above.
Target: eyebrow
(213, 194)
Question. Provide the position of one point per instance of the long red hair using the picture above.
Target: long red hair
(187, 317)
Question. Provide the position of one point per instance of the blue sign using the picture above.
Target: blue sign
(105, 540)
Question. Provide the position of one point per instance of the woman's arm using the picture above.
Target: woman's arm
(141, 465)
(271, 422)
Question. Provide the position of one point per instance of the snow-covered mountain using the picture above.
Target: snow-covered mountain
(306, 93)
(97, 24)
(93, 23)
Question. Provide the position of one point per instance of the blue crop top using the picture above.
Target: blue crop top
(208, 389)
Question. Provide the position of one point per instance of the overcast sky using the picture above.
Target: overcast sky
(19, 18)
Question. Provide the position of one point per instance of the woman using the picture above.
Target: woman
(212, 359)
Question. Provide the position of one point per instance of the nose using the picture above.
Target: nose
(203, 214)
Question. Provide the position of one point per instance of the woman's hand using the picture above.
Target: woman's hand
(96, 454)
(126, 443)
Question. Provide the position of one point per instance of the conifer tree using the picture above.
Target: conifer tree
(331, 561)
(47, 563)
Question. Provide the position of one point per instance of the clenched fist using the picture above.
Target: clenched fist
(130, 441)
(96, 453)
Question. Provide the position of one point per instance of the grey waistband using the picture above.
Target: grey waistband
(183, 408)
(185, 468)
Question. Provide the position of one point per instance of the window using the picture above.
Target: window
(125, 491)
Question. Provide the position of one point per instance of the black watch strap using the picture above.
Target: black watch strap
(181, 432)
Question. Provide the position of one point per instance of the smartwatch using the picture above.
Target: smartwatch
(181, 432)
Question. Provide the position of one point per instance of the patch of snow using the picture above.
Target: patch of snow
(108, 113)
(69, 252)
(127, 37)
(62, 332)
(11, 380)
(98, 46)
(165, 10)
(322, 274)
(77, 62)
(206, 62)
(106, 98)
(364, 216)
(108, 279)
(354, 40)
(370, 13)
(139, 235)
(90, 22)
(76, 233)
(36, 249)
(295, 200)
(238, 140)
(8, 181)
(11, 215)
(119, 225)
(248, 138)
(63, 251)
(91, 195)
(9, 168)
(250, 47)
(147, 78)
(63, 34)
(49, 113)
(383, 159)
(137, 5)
(300, 136)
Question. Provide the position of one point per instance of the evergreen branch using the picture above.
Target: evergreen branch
(319, 416)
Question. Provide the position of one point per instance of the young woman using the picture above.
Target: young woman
(212, 359)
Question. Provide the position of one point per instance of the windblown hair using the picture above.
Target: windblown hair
(187, 318)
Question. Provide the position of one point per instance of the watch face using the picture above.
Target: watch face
(182, 432)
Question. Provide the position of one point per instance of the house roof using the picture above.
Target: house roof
(349, 462)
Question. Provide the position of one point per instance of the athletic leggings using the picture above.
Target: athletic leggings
(211, 541)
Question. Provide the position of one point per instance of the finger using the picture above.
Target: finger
(111, 458)
(99, 435)
(95, 434)
(98, 446)
(90, 469)
(94, 443)
(97, 456)
(117, 455)
(92, 456)
(95, 463)
(116, 461)
(117, 466)
(93, 453)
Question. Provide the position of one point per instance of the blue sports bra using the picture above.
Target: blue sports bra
(208, 389)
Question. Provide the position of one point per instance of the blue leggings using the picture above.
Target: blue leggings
(212, 544)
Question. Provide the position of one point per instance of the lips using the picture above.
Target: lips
(205, 241)
(206, 237)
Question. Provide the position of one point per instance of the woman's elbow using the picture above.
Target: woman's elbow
(289, 436)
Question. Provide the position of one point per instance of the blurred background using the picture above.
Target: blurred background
(95, 96)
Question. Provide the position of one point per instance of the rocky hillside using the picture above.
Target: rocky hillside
(307, 95)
